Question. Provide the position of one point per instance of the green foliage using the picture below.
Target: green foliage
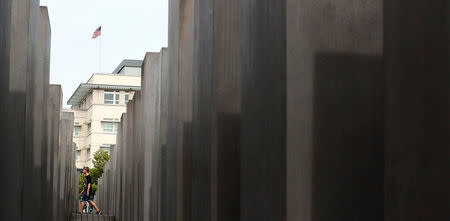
(81, 183)
(101, 157)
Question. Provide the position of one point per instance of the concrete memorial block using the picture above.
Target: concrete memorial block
(180, 59)
(129, 162)
(125, 172)
(164, 66)
(54, 102)
(136, 147)
(35, 99)
(263, 111)
(156, 145)
(123, 153)
(67, 169)
(16, 58)
(9, 210)
(150, 136)
(334, 110)
(417, 110)
(44, 43)
(216, 106)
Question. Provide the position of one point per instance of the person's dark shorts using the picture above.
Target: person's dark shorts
(86, 198)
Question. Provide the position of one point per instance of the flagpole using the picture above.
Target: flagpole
(100, 55)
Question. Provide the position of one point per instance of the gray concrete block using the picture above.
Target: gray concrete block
(263, 111)
(7, 210)
(180, 59)
(334, 62)
(33, 110)
(417, 110)
(216, 92)
(15, 56)
(35, 87)
(44, 44)
(150, 133)
(54, 104)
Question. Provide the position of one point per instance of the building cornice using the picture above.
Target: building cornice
(83, 90)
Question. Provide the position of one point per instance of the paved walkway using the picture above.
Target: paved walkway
(92, 217)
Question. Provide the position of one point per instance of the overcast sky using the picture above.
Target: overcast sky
(129, 29)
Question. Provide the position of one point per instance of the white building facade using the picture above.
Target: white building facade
(98, 106)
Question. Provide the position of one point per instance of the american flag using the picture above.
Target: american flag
(97, 32)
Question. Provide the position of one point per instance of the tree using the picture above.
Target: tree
(101, 157)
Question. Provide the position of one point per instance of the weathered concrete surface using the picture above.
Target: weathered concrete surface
(417, 120)
(150, 133)
(37, 84)
(54, 107)
(164, 110)
(180, 59)
(25, 57)
(334, 110)
(44, 53)
(40, 168)
(20, 55)
(216, 96)
(263, 111)
(9, 210)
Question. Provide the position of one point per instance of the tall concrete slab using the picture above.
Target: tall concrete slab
(37, 163)
(18, 41)
(44, 54)
(164, 108)
(129, 162)
(66, 148)
(9, 210)
(37, 84)
(417, 110)
(263, 111)
(136, 157)
(150, 132)
(334, 110)
(180, 59)
(216, 105)
(124, 122)
(54, 104)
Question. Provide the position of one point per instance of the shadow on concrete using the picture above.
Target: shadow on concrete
(348, 137)
(228, 191)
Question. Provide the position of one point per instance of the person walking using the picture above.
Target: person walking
(87, 192)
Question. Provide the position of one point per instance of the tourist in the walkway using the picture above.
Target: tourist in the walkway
(87, 192)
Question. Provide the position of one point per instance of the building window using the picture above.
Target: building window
(111, 97)
(89, 128)
(107, 148)
(89, 153)
(110, 127)
(77, 155)
(127, 97)
(76, 131)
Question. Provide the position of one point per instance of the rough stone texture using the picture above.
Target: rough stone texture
(263, 111)
(417, 110)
